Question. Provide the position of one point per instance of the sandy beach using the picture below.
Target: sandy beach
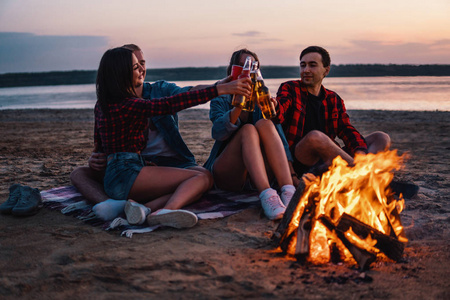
(52, 256)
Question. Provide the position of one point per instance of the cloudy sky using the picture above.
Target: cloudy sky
(46, 35)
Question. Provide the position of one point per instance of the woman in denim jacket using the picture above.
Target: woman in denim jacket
(249, 151)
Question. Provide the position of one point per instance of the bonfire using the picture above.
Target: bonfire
(347, 214)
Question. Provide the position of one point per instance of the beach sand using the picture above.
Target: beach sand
(52, 256)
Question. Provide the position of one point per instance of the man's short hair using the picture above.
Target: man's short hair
(132, 47)
(326, 60)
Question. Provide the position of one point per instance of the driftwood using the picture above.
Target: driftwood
(385, 243)
(317, 170)
(303, 231)
(363, 257)
(281, 231)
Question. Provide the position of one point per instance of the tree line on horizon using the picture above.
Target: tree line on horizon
(215, 73)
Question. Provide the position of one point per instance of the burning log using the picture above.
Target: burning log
(349, 213)
(390, 246)
(282, 232)
(363, 257)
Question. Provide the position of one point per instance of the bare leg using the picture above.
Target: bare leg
(241, 155)
(155, 183)
(378, 141)
(206, 172)
(160, 202)
(274, 150)
(316, 145)
(89, 183)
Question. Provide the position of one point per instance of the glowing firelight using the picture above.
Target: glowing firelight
(361, 191)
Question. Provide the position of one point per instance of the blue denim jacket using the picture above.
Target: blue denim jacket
(167, 125)
(222, 129)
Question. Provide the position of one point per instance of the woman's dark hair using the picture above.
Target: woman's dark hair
(115, 77)
(236, 57)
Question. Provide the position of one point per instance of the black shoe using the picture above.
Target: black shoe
(29, 203)
(14, 196)
(408, 190)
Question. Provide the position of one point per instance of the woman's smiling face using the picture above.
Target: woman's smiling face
(138, 72)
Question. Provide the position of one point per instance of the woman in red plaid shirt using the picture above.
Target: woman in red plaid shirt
(121, 120)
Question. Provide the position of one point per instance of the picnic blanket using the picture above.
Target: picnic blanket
(212, 205)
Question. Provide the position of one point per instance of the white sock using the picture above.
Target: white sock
(109, 209)
(267, 193)
(288, 188)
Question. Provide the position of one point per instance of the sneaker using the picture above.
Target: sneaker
(177, 218)
(14, 196)
(135, 212)
(29, 203)
(286, 195)
(273, 207)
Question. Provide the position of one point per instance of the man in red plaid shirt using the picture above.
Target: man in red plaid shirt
(312, 117)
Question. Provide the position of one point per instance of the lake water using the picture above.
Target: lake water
(382, 93)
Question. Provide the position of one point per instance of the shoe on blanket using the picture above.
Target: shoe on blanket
(273, 207)
(136, 212)
(177, 218)
(29, 203)
(14, 196)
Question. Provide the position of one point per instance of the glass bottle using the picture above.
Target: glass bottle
(239, 100)
(265, 103)
(249, 104)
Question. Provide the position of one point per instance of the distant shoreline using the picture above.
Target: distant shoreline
(214, 73)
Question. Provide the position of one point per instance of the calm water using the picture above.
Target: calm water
(384, 93)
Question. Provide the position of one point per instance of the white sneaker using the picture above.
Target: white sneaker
(286, 197)
(136, 213)
(177, 218)
(273, 207)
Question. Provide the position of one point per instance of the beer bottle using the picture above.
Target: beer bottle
(239, 100)
(250, 102)
(266, 105)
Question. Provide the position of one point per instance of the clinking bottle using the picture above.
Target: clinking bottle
(249, 104)
(266, 105)
(239, 100)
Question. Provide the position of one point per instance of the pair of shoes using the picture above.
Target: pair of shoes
(136, 212)
(273, 207)
(177, 218)
(22, 201)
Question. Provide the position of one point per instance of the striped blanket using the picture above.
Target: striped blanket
(214, 204)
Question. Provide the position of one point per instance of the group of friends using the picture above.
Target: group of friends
(141, 165)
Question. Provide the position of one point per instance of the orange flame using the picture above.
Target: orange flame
(361, 191)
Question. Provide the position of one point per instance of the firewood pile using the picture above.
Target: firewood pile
(348, 214)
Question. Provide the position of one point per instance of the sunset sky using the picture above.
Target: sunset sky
(45, 35)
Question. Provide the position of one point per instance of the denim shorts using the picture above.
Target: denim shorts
(170, 161)
(121, 173)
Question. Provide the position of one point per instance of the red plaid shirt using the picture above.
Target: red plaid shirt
(291, 113)
(125, 128)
